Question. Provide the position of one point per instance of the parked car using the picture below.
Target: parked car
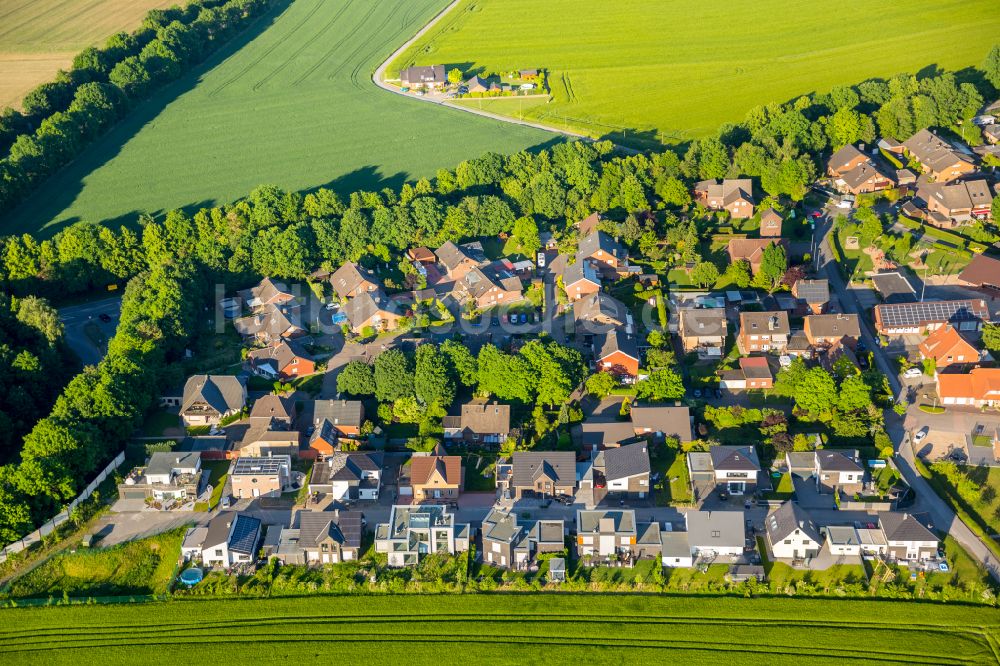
(226, 501)
(913, 373)
(921, 435)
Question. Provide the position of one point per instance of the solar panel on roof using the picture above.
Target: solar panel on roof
(244, 534)
(913, 314)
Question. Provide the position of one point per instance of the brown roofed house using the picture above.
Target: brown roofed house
(491, 285)
(601, 248)
(982, 272)
(436, 478)
(588, 225)
(283, 361)
(457, 261)
(210, 398)
(272, 411)
(267, 292)
(763, 332)
(429, 76)
(421, 255)
(770, 224)
(751, 250)
(735, 196)
(937, 157)
(948, 347)
(371, 309)
(825, 330)
(845, 159)
(949, 205)
(599, 313)
(479, 422)
(662, 421)
(853, 172)
(271, 324)
(350, 280)
(754, 373)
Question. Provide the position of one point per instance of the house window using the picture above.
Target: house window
(715, 534)
(788, 542)
(218, 552)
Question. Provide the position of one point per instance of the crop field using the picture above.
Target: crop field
(648, 71)
(501, 629)
(290, 103)
(40, 37)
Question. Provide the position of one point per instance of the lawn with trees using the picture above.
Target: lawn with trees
(646, 87)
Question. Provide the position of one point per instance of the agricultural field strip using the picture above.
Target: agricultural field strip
(352, 628)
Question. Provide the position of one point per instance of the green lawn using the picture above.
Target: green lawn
(523, 628)
(218, 471)
(137, 567)
(158, 421)
(294, 107)
(474, 465)
(652, 71)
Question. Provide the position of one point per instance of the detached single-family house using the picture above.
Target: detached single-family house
(231, 539)
(704, 331)
(907, 538)
(617, 352)
(415, 531)
(625, 469)
(210, 398)
(430, 76)
(265, 442)
(284, 361)
(709, 535)
(350, 280)
(751, 250)
(348, 476)
(845, 159)
(272, 411)
(329, 537)
(436, 478)
(614, 534)
(169, 475)
(477, 85)
(979, 387)
(260, 477)
(333, 419)
(601, 248)
(792, 534)
(271, 324)
(603, 434)
(456, 259)
(853, 172)
(662, 421)
(770, 224)
(982, 272)
(480, 422)
(267, 292)
(754, 374)
(600, 313)
(823, 331)
(906, 318)
(946, 346)
(838, 470)
(736, 468)
(733, 196)
(938, 159)
(814, 294)
(763, 332)
(514, 544)
(543, 474)
(487, 286)
(949, 205)
(371, 310)
(581, 279)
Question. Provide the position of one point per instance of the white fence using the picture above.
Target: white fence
(46, 529)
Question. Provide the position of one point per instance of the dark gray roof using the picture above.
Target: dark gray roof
(788, 518)
(252, 466)
(837, 461)
(739, 458)
(338, 412)
(608, 343)
(246, 533)
(598, 241)
(345, 467)
(672, 421)
(343, 526)
(451, 255)
(813, 291)
(602, 433)
(222, 393)
(500, 526)
(904, 527)
(764, 323)
(703, 322)
(272, 406)
(424, 74)
(894, 288)
(618, 521)
(560, 466)
(918, 314)
(625, 461)
(163, 462)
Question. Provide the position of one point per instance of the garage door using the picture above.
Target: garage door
(133, 494)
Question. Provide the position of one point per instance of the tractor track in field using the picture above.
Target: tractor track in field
(309, 42)
(267, 52)
(363, 60)
(333, 49)
(360, 61)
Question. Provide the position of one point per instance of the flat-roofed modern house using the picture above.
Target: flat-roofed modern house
(168, 475)
(615, 534)
(416, 531)
(918, 318)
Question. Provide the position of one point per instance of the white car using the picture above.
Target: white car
(913, 373)
(921, 435)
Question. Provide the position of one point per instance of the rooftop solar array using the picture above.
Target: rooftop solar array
(249, 466)
(244, 537)
(914, 314)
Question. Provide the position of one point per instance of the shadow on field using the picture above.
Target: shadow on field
(59, 191)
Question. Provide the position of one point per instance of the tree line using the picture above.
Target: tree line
(62, 117)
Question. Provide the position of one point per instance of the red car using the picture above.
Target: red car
(816, 213)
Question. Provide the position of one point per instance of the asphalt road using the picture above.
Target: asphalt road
(941, 514)
(76, 318)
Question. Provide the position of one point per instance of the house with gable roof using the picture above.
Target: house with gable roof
(543, 474)
(947, 347)
(329, 537)
(735, 196)
(514, 543)
(437, 477)
(792, 534)
(208, 399)
(351, 279)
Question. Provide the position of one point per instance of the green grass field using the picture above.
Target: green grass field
(292, 104)
(666, 71)
(502, 629)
